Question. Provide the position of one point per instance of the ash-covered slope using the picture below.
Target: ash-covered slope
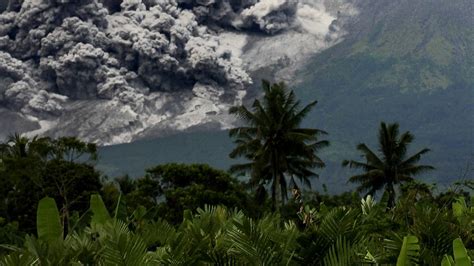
(114, 71)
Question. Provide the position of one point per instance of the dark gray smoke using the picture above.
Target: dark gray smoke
(121, 67)
(75, 49)
(85, 50)
(270, 16)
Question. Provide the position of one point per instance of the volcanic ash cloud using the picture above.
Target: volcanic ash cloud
(109, 71)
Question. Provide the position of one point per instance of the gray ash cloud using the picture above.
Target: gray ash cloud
(113, 49)
(151, 60)
(269, 16)
(76, 49)
(266, 16)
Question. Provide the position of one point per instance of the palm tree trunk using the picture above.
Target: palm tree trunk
(391, 196)
(282, 195)
(277, 192)
(275, 183)
(273, 197)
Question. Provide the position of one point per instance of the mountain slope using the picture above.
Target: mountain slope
(405, 61)
(405, 45)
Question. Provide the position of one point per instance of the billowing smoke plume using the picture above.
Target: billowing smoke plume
(127, 65)
(270, 16)
(53, 52)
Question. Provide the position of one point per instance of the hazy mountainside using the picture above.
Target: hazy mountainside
(405, 61)
(408, 45)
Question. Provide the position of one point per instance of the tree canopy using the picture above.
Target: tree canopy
(173, 188)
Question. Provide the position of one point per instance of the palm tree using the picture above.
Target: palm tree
(274, 143)
(392, 168)
(18, 146)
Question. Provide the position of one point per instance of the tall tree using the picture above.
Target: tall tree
(391, 167)
(31, 168)
(274, 142)
(21, 165)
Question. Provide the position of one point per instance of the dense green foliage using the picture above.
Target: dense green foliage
(170, 189)
(33, 168)
(164, 218)
(56, 210)
(346, 235)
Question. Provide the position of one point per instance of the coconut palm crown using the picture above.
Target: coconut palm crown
(274, 143)
(391, 166)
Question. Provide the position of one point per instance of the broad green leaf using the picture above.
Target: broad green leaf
(120, 212)
(100, 213)
(447, 261)
(409, 252)
(48, 221)
(459, 207)
(460, 253)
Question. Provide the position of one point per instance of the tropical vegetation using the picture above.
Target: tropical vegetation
(57, 209)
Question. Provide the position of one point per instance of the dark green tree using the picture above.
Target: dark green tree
(31, 168)
(274, 143)
(391, 167)
(173, 188)
(21, 164)
(71, 185)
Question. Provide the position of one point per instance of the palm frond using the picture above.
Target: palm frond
(300, 115)
(370, 155)
(339, 254)
(120, 246)
(416, 169)
(243, 113)
(414, 158)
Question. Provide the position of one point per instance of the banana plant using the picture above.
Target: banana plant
(48, 221)
(50, 248)
(410, 251)
(461, 257)
(465, 216)
(100, 214)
